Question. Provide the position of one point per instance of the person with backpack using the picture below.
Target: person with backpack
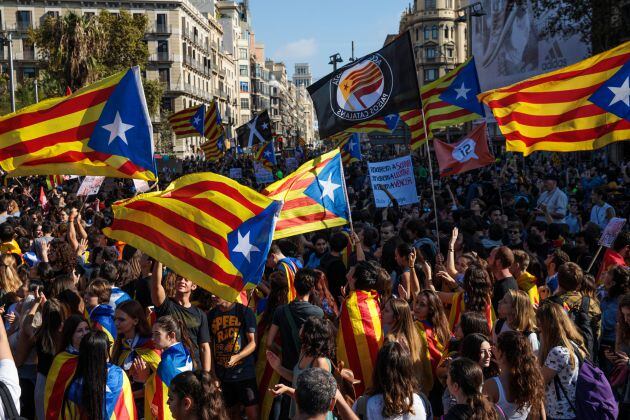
(583, 310)
(9, 380)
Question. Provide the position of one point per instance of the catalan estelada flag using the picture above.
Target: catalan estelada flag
(103, 129)
(119, 403)
(413, 120)
(360, 335)
(175, 360)
(584, 106)
(52, 181)
(61, 372)
(266, 376)
(350, 148)
(289, 266)
(314, 197)
(201, 120)
(266, 155)
(206, 227)
(101, 318)
(452, 99)
(213, 149)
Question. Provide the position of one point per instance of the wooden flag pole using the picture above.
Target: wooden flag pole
(426, 142)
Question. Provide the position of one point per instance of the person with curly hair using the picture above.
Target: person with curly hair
(196, 396)
(616, 284)
(317, 337)
(519, 389)
(394, 393)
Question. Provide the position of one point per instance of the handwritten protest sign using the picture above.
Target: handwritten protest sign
(396, 176)
(90, 185)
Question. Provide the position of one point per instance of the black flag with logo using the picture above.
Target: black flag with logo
(256, 131)
(373, 86)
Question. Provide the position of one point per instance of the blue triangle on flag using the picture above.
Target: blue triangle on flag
(463, 90)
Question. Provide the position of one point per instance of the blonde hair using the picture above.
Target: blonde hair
(524, 316)
(557, 329)
(9, 278)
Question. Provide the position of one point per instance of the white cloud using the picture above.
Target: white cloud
(297, 50)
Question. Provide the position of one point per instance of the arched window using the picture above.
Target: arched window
(434, 31)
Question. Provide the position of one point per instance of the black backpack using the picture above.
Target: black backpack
(10, 412)
(584, 322)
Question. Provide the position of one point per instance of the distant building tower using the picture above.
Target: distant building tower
(302, 75)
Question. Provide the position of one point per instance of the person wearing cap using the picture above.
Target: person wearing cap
(552, 203)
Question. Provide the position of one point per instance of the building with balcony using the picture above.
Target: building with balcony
(302, 75)
(437, 34)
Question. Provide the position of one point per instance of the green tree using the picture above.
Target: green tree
(124, 37)
(599, 23)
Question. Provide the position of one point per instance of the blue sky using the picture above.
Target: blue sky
(310, 31)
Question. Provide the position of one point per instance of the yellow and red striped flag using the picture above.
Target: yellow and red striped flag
(206, 227)
(584, 106)
(103, 129)
(201, 120)
(266, 376)
(413, 120)
(52, 181)
(360, 335)
(314, 197)
(350, 147)
(61, 372)
(452, 99)
(266, 155)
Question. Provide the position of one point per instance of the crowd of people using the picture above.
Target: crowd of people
(506, 311)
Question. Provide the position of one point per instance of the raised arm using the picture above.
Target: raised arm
(158, 294)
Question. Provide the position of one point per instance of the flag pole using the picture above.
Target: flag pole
(426, 143)
(345, 192)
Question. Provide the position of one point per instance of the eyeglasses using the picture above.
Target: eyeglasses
(514, 232)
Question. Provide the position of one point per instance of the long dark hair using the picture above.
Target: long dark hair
(437, 316)
(171, 324)
(394, 377)
(278, 292)
(134, 309)
(53, 317)
(471, 349)
(202, 388)
(69, 327)
(92, 374)
(468, 376)
(318, 338)
(478, 288)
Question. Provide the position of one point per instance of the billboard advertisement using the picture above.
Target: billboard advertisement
(509, 46)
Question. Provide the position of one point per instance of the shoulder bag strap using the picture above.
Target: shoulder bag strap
(293, 325)
(10, 412)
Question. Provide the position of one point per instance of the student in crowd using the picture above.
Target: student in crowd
(499, 263)
(525, 280)
(478, 347)
(464, 382)
(519, 389)
(616, 284)
(181, 307)
(196, 396)
(619, 357)
(516, 313)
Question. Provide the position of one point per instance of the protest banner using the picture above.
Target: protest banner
(611, 231)
(396, 176)
(90, 185)
(291, 164)
(263, 175)
(141, 186)
(236, 173)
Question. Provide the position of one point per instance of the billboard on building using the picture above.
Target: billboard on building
(509, 46)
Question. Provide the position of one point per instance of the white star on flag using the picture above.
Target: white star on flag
(329, 188)
(462, 92)
(264, 126)
(196, 120)
(267, 154)
(622, 93)
(117, 129)
(253, 131)
(244, 246)
(187, 367)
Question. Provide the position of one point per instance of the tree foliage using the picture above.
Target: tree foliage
(599, 23)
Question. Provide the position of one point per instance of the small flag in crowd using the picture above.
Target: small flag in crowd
(43, 201)
(371, 87)
(452, 99)
(213, 149)
(471, 152)
(103, 129)
(314, 197)
(202, 120)
(53, 181)
(350, 149)
(360, 335)
(256, 131)
(266, 155)
(206, 227)
(584, 106)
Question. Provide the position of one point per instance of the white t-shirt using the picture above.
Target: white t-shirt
(556, 202)
(557, 406)
(9, 376)
(375, 409)
(532, 337)
(598, 214)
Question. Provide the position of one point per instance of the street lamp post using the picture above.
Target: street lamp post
(7, 40)
(468, 12)
(334, 59)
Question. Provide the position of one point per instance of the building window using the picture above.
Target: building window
(429, 5)
(89, 15)
(242, 53)
(449, 4)
(430, 52)
(244, 103)
(449, 52)
(164, 75)
(417, 34)
(434, 31)
(23, 18)
(161, 23)
(427, 33)
(446, 32)
(28, 50)
(430, 75)
(244, 87)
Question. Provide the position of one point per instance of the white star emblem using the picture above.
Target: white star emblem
(267, 154)
(462, 92)
(244, 246)
(329, 188)
(264, 126)
(196, 120)
(118, 129)
(622, 93)
(107, 389)
(187, 367)
(253, 131)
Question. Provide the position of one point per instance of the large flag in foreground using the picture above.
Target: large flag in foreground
(584, 106)
(360, 335)
(206, 227)
(313, 196)
(103, 129)
(61, 372)
(452, 99)
(470, 152)
(371, 87)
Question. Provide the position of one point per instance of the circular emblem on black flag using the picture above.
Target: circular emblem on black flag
(362, 90)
